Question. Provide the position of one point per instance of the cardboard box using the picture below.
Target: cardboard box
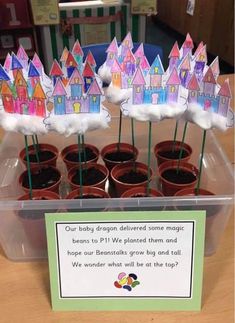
(90, 23)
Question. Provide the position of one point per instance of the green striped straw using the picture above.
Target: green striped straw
(149, 156)
(80, 165)
(28, 167)
(200, 164)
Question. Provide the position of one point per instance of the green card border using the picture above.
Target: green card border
(127, 304)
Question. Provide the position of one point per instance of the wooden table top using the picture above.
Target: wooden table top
(25, 291)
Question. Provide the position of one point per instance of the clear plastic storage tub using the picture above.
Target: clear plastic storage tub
(217, 177)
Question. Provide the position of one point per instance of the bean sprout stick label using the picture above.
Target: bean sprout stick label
(126, 260)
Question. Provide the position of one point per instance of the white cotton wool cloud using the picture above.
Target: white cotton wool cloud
(155, 112)
(77, 123)
(207, 119)
(25, 124)
(116, 95)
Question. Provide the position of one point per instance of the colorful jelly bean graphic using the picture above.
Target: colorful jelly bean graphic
(127, 282)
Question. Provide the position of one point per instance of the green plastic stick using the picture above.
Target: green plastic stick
(80, 165)
(149, 156)
(28, 168)
(36, 138)
(36, 150)
(133, 142)
(119, 130)
(175, 135)
(181, 147)
(200, 164)
(83, 148)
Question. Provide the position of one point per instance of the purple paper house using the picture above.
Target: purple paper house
(174, 56)
(209, 83)
(200, 62)
(184, 69)
(193, 88)
(138, 84)
(173, 84)
(126, 44)
(225, 97)
(129, 63)
(139, 54)
(187, 45)
(112, 52)
(76, 84)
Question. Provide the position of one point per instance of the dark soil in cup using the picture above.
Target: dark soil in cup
(90, 176)
(133, 177)
(183, 177)
(169, 154)
(88, 155)
(119, 156)
(43, 155)
(43, 178)
(89, 197)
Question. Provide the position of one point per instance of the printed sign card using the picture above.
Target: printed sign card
(140, 261)
(147, 7)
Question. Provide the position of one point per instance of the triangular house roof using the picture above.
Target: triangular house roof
(116, 67)
(70, 61)
(144, 63)
(199, 47)
(56, 69)
(185, 64)
(7, 62)
(3, 74)
(59, 88)
(64, 54)
(38, 92)
(88, 71)
(209, 77)
(215, 66)
(156, 63)
(90, 59)
(15, 63)
(225, 89)
(76, 75)
(202, 55)
(138, 78)
(175, 52)
(113, 47)
(193, 83)
(94, 89)
(188, 43)
(127, 41)
(21, 53)
(140, 51)
(19, 79)
(173, 78)
(129, 56)
(77, 49)
(36, 61)
(5, 89)
(33, 72)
